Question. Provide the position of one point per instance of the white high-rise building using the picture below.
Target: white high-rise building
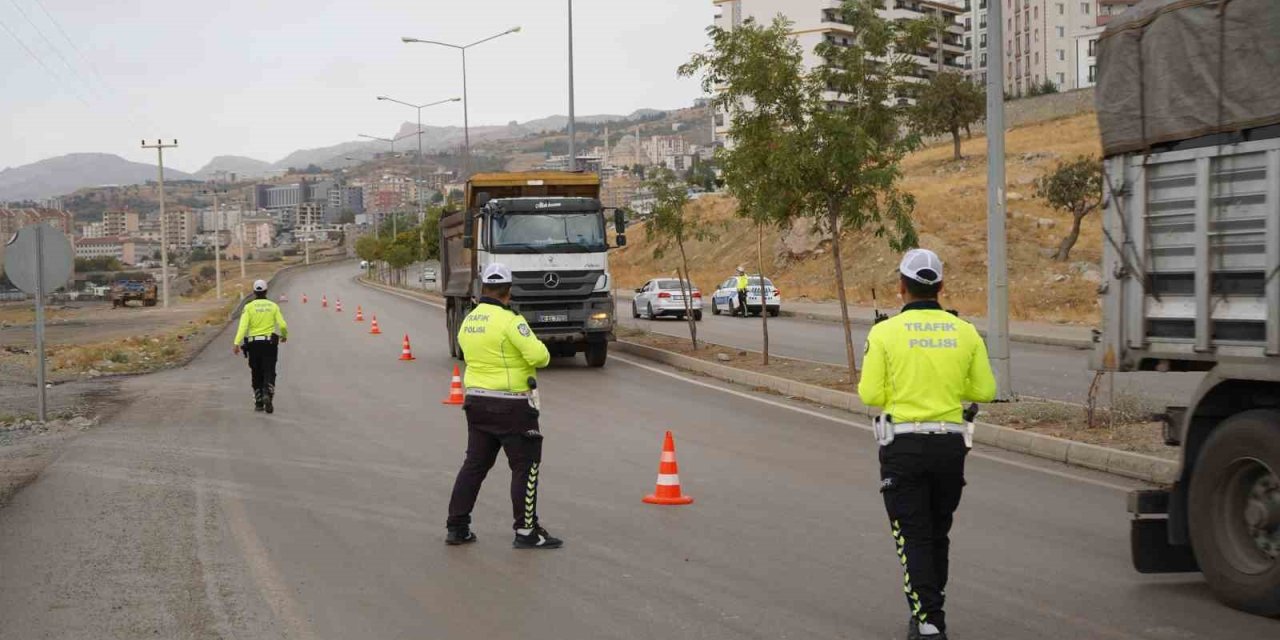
(1049, 41)
(815, 21)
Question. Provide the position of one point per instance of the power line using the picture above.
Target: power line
(57, 78)
(75, 74)
(80, 54)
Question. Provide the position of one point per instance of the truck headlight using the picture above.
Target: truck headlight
(599, 320)
(602, 283)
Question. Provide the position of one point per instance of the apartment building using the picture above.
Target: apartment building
(93, 230)
(975, 40)
(119, 223)
(180, 227)
(16, 218)
(130, 251)
(1041, 42)
(817, 21)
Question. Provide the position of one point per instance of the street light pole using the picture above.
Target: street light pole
(419, 108)
(997, 270)
(466, 121)
(217, 240)
(160, 146)
(573, 155)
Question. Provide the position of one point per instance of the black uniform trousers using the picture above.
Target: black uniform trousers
(921, 478)
(262, 356)
(742, 301)
(495, 424)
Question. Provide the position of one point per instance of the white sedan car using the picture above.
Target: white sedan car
(663, 297)
(725, 299)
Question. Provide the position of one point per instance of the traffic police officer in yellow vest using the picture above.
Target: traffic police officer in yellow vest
(262, 329)
(921, 367)
(742, 283)
(502, 356)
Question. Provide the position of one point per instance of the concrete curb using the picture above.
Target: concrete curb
(1026, 338)
(422, 295)
(1089, 456)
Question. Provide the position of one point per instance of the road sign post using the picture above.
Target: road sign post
(38, 260)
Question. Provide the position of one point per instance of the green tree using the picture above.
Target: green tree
(851, 149)
(1075, 187)
(673, 224)
(369, 248)
(347, 216)
(756, 74)
(947, 104)
(398, 256)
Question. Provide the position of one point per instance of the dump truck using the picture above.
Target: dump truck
(122, 291)
(550, 228)
(1189, 113)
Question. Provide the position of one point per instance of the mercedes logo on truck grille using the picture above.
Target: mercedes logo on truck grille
(552, 280)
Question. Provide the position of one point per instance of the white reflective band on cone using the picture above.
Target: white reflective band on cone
(667, 456)
(669, 480)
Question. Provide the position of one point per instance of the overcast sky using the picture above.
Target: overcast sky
(262, 78)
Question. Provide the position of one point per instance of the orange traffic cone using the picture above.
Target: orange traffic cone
(455, 388)
(668, 490)
(324, 301)
(304, 298)
(338, 306)
(359, 314)
(405, 352)
(374, 328)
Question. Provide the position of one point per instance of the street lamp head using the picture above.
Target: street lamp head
(515, 29)
(408, 39)
(455, 99)
(383, 98)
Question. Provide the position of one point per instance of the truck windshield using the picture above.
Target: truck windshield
(547, 233)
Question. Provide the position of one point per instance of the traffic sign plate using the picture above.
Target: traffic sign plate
(21, 255)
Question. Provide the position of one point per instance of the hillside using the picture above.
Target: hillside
(951, 219)
(65, 174)
(240, 165)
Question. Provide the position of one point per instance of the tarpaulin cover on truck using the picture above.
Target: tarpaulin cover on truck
(1171, 70)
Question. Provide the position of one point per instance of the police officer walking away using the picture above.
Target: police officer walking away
(502, 355)
(262, 329)
(742, 283)
(921, 366)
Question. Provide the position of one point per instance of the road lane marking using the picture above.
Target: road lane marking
(866, 427)
(818, 414)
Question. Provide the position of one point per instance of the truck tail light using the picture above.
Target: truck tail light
(664, 294)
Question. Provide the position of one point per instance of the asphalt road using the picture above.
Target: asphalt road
(1041, 371)
(189, 516)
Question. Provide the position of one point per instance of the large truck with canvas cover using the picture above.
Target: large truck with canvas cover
(550, 228)
(1189, 111)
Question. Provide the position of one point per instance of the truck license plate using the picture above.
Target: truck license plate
(553, 317)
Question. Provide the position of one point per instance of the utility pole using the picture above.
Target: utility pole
(160, 146)
(573, 155)
(217, 241)
(997, 269)
(242, 274)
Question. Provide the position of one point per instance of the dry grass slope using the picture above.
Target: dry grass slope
(951, 219)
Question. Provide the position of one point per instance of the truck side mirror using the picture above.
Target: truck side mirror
(469, 231)
(620, 226)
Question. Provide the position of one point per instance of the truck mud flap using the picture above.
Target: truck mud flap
(1152, 553)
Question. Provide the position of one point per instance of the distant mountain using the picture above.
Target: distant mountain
(65, 174)
(239, 165)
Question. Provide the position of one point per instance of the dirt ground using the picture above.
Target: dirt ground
(950, 217)
(1125, 426)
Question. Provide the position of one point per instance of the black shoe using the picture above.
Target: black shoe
(258, 404)
(537, 539)
(268, 398)
(913, 632)
(459, 535)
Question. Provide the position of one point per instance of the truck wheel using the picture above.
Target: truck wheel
(1234, 509)
(597, 353)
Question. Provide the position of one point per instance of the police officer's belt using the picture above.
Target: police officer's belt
(258, 338)
(490, 393)
(900, 428)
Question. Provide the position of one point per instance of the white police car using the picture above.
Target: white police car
(725, 299)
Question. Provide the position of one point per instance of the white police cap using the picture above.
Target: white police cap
(921, 265)
(259, 285)
(496, 273)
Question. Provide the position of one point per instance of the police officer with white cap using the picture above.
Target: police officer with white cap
(921, 366)
(262, 329)
(502, 356)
